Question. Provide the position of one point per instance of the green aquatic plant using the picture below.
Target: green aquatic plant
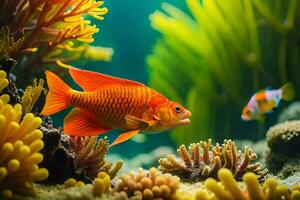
(204, 160)
(51, 32)
(20, 143)
(214, 55)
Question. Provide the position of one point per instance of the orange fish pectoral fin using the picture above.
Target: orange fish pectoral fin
(125, 136)
(81, 123)
(266, 106)
(92, 81)
(132, 122)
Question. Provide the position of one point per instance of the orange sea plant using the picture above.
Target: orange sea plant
(54, 31)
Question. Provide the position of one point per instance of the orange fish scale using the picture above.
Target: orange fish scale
(110, 105)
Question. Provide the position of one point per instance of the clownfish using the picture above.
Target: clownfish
(265, 101)
(109, 102)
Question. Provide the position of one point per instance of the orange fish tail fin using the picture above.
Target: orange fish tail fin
(58, 95)
(288, 91)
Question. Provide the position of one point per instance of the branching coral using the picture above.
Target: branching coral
(78, 157)
(55, 32)
(283, 141)
(204, 160)
(220, 52)
(20, 143)
(90, 156)
(229, 189)
(148, 185)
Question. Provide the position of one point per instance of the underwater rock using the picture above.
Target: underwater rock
(204, 160)
(147, 185)
(283, 153)
(292, 112)
(20, 146)
(75, 157)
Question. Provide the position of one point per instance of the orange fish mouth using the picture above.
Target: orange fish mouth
(185, 118)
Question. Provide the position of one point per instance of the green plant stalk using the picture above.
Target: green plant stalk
(279, 27)
(282, 59)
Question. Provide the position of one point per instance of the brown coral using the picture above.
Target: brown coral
(78, 157)
(90, 155)
(204, 160)
(147, 185)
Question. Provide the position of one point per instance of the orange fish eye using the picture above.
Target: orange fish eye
(177, 109)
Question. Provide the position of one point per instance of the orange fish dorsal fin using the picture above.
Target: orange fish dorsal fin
(92, 81)
(80, 123)
(125, 136)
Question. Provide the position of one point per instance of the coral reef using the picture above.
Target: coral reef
(78, 157)
(283, 155)
(228, 188)
(194, 49)
(204, 160)
(147, 185)
(292, 112)
(20, 143)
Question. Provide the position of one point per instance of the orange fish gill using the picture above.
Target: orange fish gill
(111, 103)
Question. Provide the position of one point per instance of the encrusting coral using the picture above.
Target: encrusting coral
(283, 141)
(204, 160)
(20, 143)
(229, 189)
(147, 185)
(78, 157)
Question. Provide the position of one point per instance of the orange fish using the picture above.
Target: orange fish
(111, 103)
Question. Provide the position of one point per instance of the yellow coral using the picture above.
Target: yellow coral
(20, 143)
(31, 95)
(152, 185)
(3, 80)
(229, 189)
(101, 184)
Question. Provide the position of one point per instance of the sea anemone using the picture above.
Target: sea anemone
(20, 143)
(101, 184)
(147, 185)
(204, 160)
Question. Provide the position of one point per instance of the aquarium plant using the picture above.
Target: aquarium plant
(214, 55)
